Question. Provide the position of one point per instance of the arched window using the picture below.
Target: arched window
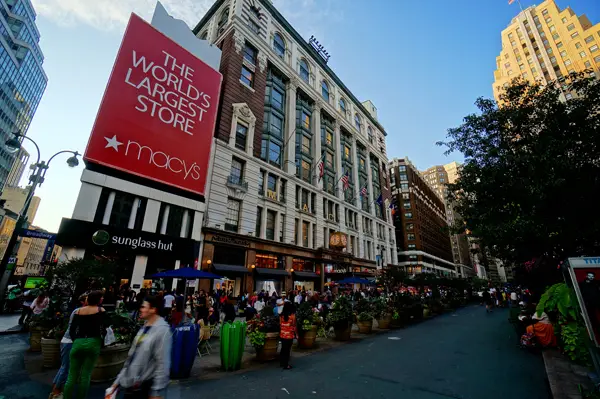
(204, 35)
(278, 45)
(223, 21)
(304, 71)
(325, 91)
(343, 106)
(370, 134)
(357, 121)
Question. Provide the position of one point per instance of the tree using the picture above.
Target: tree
(529, 186)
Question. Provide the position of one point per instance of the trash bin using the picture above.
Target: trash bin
(233, 342)
(183, 353)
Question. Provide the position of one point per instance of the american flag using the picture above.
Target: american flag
(363, 191)
(321, 167)
(345, 181)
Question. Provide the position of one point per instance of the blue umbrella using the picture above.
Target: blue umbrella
(354, 280)
(186, 272)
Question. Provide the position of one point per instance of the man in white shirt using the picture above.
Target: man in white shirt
(259, 304)
(168, 304)
(298, 298)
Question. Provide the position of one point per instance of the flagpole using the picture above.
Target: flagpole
(316, 164)
(338, 180)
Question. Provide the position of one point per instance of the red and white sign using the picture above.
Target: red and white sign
(158, 113)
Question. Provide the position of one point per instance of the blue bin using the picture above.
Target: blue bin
(183, 353)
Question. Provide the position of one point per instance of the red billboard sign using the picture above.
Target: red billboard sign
(158, 113)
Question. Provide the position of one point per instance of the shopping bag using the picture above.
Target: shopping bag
(111, 393)
(109, 338)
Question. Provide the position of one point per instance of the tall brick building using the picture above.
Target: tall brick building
(273, 211)
(420, 222)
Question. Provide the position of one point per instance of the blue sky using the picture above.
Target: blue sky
(422, 63)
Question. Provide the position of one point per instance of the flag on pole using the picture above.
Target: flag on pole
(345, 181)
(363, 191)
(379, 200)
(510, 2)
(321, 167)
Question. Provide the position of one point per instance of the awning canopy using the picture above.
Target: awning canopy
(230, 268)
(271, 272)
(186, 273)
(306, 274)
(355, 280)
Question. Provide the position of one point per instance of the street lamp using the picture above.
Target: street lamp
(37, 177)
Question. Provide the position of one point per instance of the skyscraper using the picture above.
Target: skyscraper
(16, 172)
(22, 77)
(545, 43)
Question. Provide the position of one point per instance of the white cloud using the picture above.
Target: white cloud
(114, 14)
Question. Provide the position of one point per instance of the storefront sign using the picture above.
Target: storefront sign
(78, 233)
(158, 113)
(37, 234)
(272, 195)
(231, 241)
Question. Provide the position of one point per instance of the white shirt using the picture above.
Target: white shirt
(513, 296)
(298, 298)
(168, 301)
(259, 305)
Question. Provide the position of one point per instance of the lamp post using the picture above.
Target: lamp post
(36, 179)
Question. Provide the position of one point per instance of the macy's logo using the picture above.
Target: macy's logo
(157, 158)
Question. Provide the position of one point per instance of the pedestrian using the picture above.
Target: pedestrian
(66, 343)
(40, 303)
(487, 299)
(88, 326)
(28, 298)
(146, 370)
(287, 333)
(168, 304)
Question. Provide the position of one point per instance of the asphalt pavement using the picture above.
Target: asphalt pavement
(467, 354)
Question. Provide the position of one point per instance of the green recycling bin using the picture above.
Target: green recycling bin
(233, 341)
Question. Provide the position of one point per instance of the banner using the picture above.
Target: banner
(158, 114)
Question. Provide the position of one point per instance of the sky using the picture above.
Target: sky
(422, 63)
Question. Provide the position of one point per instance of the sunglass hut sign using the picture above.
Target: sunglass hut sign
(102, 237)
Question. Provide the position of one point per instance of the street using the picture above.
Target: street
(468, 354)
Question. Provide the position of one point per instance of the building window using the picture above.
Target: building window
(223, 21)
(258, 221)
(268, 261)
(241, 134)
(594, 48)
(282, 227)
(589, 39)
(325, 91)
(582, 54)
(237, 171)
(571, 27)
(410, 236)
(564, 20)
(121, 209)
(370, 134)
(406, 204)
(305, 227)
(402, 168)
(278, 45)
(204, 35)
(306, 171)
(404, 186)
(247, 76)
(410, 226)
(357, 122)
(343, 106)
(304, 71)
(233, 215)
(408, 215)
(567, 62)
(412, 246)
(271, 215)
(574, 35)
(558, 45)
(254, 26)
(250, 54)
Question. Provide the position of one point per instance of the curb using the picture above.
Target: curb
(11, 331)
(564, 377)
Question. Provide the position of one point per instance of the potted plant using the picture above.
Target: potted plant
(340, 317)
(40, 325)
(383, 313)
(50, 341)
(307, 329)
(112, 357)
(365, 309)
(263, 333)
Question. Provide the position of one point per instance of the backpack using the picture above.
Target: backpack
(528, 340)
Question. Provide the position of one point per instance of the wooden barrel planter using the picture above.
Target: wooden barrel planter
(307, 339)
(269, 351)
(35, 338)
(343, 334)
(385, 322)
(365, 327)
(50, 353)
(110, 362)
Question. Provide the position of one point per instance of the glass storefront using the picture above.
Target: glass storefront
(268, 285)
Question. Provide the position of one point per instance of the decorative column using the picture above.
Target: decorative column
(290, 116)
(108, 209)
(277, 229)
(133, 214)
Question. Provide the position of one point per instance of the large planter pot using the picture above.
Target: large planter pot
(269, 351)
(35, 338)
(50, 353)
(343, 334)
(384, 322)
(110, 362)
(307, 339)
(365, 327)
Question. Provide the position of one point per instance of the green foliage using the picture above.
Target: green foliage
(364, 305)
(524, 161)
(81, 273)
(51, 317)
(124, 327)
(559, 298)
(391, 277)
(479, 284)
(304, 316)
(257, 339)
(381, 307)
(573, 338)
(365, 316)
(341, 315)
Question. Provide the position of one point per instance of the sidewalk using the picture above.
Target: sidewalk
(9, 324)
(564, 376)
